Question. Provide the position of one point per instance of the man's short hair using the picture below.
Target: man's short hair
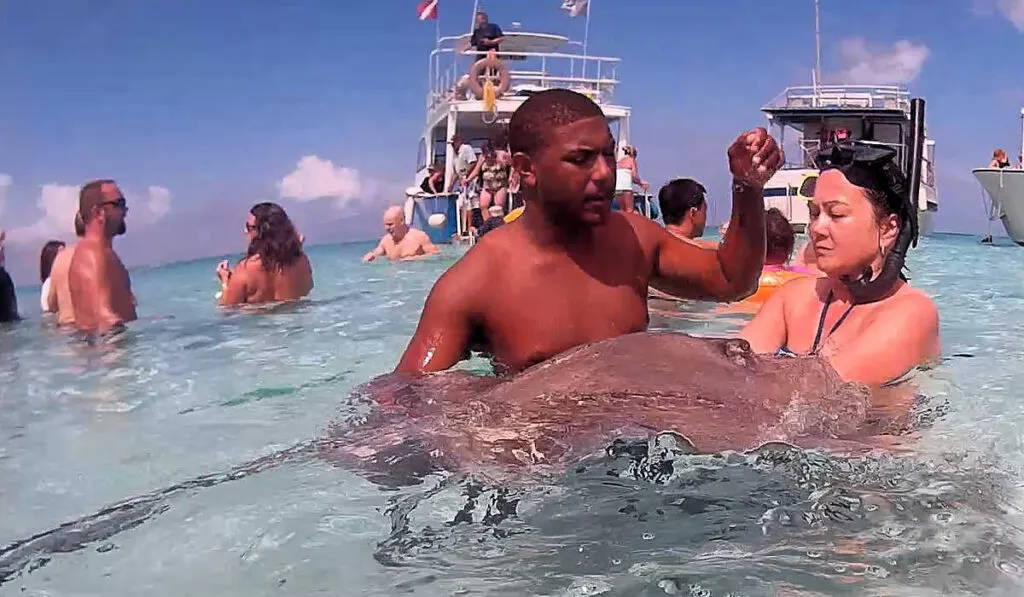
(543, 112)
(90, 196)
(678, 197)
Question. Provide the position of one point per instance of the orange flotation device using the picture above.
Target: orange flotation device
(773, 279)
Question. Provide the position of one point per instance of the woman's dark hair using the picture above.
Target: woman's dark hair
(46, 257)
(277, 242)
(780, 237)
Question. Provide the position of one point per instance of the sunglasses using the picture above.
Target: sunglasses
(119, 203)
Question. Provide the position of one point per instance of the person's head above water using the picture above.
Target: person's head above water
(103, 208)
(565, 156)
(46, 257)
(862, 218)
(394, 222)
(683, 203)
(779, 238)
(272, 237)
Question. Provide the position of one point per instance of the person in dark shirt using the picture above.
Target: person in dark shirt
(8, 300)
(487, 36)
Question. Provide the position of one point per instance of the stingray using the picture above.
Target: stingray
(715, 394)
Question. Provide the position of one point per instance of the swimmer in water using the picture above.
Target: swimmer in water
(570, 270)
(100, 287)
(8, 299)
(779, 241)
(684, 208)
(275, 268)
(862, 222)
(400, 242)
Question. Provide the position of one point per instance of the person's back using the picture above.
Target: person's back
(60, 286)
(287, 283)
(8, 298)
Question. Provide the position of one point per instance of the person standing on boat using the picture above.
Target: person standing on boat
(486, 36)
(572, 271)
(999, 159)
(469, 198)
(862, 223)
(684, 208)
(101, 288)
(626, 176)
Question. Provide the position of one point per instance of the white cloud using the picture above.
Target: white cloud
(864, 65)
(1013, 10)
(5, 185)
(317, 178)
(59, 204)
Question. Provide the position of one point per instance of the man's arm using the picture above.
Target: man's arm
(377, 252)
(95, 273)
(729, 273)
(429, 248)
(442, 336)
(899, 340)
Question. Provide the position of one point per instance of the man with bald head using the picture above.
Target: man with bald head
(400, 242)
(100, 287)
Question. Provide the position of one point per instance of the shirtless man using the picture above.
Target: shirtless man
(569, 270)
(59, 286)
(684, 208)
(275, 267)
(401, 243)
(100, 287)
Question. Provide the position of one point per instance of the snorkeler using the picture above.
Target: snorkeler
(100, 286)
(275, 268)
(400, 242)
(570, 271)
(871, 325)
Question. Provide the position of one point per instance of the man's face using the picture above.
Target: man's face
(481, 20)
(394, 223)
(573, 173)
(114, 209)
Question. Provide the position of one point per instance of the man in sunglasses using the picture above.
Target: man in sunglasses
(100, 287)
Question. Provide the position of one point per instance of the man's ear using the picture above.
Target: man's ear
(523, 165)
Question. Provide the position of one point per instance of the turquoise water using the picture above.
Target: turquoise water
(193, 391)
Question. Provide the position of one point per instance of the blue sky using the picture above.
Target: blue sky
(201, 108)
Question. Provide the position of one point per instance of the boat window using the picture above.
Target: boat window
(421, 155)
(807, 188)
(779, 192)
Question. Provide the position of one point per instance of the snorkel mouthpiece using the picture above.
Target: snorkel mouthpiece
(874, 167)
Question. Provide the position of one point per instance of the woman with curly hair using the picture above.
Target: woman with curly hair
(275, 267)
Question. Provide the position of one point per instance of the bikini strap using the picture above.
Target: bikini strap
(821, 321)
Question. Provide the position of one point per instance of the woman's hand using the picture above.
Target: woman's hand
(223, 272)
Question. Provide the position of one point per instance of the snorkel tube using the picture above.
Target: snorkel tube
(874, 167)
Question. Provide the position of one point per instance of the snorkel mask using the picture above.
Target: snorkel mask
(874, 167)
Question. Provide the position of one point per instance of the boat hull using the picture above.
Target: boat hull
(1005, 190)
(419, 209)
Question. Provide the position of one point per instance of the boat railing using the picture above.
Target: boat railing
(866, 97)
(594, 76)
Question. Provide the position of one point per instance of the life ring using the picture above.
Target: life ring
(772, 280)
(514, 214)
(477, 71)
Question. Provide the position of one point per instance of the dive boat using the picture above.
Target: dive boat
(475, 97)
(1005, 190)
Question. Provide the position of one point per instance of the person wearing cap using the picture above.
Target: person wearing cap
(862, 316)
(101, 289)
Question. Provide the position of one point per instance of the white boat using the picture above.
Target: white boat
(1005, 190)
(823, 114)
(529, 62)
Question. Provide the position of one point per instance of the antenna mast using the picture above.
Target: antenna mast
(817, 42)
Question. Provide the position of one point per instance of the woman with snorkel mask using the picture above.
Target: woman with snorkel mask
(862, 316)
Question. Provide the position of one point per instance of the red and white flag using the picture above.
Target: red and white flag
(575, 7)
(427, 10)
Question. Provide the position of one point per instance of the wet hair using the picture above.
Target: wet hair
(779, 236)
(536, 118)
(91, 195)
(276, 242)
(46, 257)
(678, 197)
